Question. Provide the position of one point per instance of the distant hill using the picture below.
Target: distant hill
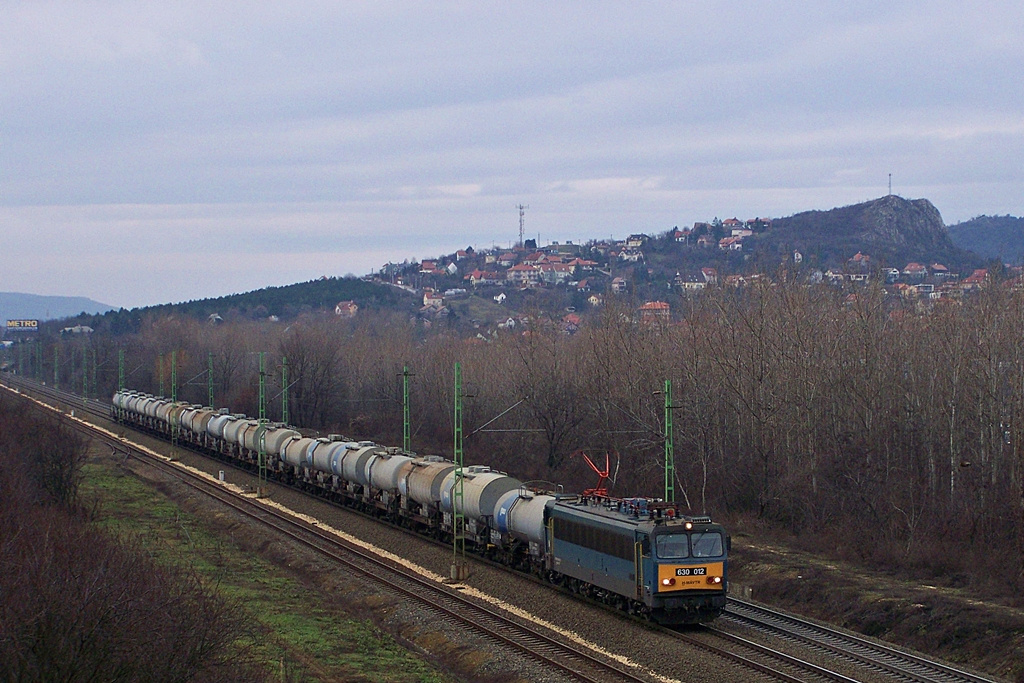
(286, 302)
(18, 306)
(892, 230)
(997, 237)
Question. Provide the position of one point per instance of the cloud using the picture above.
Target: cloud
(146, 133)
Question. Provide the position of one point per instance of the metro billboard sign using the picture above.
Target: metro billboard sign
(19, 325)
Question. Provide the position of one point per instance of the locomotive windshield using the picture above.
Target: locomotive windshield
(681, 546)
(708, 544)
(672, 546)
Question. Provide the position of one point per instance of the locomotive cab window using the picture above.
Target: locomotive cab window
(672, 546)
(707, 544)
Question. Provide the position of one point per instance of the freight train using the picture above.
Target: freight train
(637, 554)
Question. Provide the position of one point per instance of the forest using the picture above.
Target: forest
(859, 424)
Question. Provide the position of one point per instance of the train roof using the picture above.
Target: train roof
(630, 512)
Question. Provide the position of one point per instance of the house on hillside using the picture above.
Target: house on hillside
(432, 299)
(619, 285)
(631, 255)
(636, 241)
(689, 283)
(655, 312)
(346, 309)
(914, 272)
(939, 272)
(976, 280)
(555, 273)
(523, 274)
(479, 278)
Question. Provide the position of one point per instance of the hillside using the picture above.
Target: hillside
(19, 306)
(891, 229)
(997, 237)
(285, 302)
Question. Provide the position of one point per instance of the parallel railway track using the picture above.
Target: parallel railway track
(889, 661)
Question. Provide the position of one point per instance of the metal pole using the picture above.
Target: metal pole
(670, 457)
(174, 394)
(406, 429)
(120, 379)
(209, 378)
(262, 429)
(284, 390)
(56, 365)
(459, 569)
(160, 371)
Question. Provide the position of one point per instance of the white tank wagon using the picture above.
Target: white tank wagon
(382, 471)
(234, 430)
(520, 514)
(149, 406)
(169, 413)
(320, 452)
(201, 421)
(354, 465)
(294, 453)
(482, 487)
(185, 419)
(137, 403)
(275, 437)
(422, 483)
(121, 398)
(218, 423)
(338, 455)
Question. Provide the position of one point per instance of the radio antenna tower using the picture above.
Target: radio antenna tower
(522, 216)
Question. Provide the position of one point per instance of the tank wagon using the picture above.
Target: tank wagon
(637, 554)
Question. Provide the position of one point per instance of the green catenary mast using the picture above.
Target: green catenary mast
(459, 568)
(284, 389)
(670, 457)
(262, 429)
(174, 394)
(406, 430)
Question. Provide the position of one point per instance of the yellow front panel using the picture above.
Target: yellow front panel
(690, 576)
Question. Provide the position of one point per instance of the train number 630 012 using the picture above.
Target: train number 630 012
(694, 571)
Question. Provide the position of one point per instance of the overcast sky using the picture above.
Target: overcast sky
(155, 152)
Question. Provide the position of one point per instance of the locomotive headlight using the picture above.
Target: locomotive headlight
(714, 580)
(668, 582)
(689, 525)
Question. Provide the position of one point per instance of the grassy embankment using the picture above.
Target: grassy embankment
(297, 633)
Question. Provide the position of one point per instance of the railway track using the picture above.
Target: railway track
(888, 661)
(444, 601)
(874, 660)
